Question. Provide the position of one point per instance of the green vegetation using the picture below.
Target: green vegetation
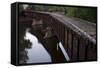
(86, 13)
(46, 8)
(89, 14)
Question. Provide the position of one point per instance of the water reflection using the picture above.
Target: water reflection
(37, 53)
(50, 43)
(38, 44)
(23, 45)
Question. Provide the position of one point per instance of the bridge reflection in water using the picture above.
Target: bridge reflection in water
(43, 46)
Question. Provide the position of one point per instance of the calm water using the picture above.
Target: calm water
(39, 44)
(37, 53)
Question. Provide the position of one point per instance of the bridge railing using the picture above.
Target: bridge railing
(79, 47)
(78, 44)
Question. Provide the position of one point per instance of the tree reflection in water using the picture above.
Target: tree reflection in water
(23, 44)
(26, 44)
(50, 41)
(37, 54)
(45, 36)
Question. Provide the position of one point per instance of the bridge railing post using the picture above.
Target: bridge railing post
(78, 47)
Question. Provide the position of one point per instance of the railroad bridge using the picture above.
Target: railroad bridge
(77, 36)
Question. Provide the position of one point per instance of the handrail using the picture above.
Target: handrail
(69, 24)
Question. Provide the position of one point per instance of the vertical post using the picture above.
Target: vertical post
(78, 48)
(82, 47)
(71, 43)
(86, 50)
(75, 44)
(91, 51)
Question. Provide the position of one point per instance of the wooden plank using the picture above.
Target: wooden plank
(75, 45)
(69, 44)
(78, 48)
(66, 40)
(82, 47)
(92, 52)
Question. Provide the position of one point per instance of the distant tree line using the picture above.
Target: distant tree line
(89, 14)
(86, 13)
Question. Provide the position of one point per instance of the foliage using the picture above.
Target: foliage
(86, 13)
(89, 14)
